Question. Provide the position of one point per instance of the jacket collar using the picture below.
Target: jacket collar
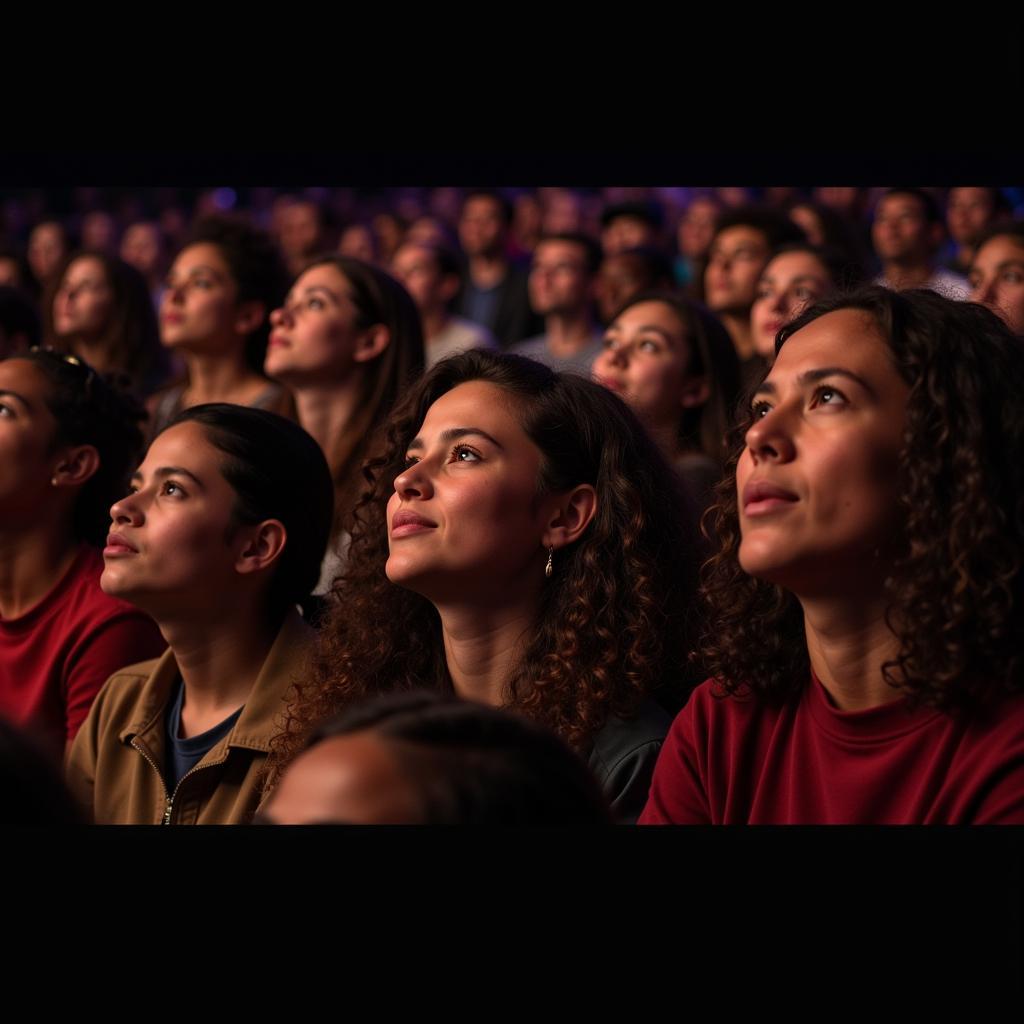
(285, 663)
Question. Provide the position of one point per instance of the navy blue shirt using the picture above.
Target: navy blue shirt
(185, 754)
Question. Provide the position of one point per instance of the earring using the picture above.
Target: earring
(53, 481)
(549, 568)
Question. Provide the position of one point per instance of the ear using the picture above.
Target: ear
(696, 391)
(261, 546)
(571, 515)
(372, 343)
(76, 465)
(249, 316)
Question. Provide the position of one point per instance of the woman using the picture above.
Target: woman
(347, 342)
(67, 443)
(996, 275)
(867, 600)
(674, 365)
(519, 545)
(222, 533)
(796, 276)
(213, 315)
(102, 313)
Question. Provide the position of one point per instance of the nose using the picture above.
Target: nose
(279, 317)
(126, 512)
(985, 292)
(770, 438)
(413, 482)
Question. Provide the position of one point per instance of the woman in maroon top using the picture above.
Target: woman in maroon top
(67, 443)
(866, 603)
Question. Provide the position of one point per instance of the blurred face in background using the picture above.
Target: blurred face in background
(697, 228)
(790, 283)
(737, 257)
(969, 211)
(482, 226)
(560, 282)
(47, 250)
(997, 279)
(142, 248)
(84, 300)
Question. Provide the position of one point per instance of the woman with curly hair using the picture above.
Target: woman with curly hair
(519, 545)
(867, 599)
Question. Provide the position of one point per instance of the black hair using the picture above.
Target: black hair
(777, 228)
(845, 273)
(1009, 229)
(256, 268)
(507, 211)
(648, 211)
(93, 410)
(470, 764)
(928, 202)
(18, 316)
(277, 472)
(591, 250)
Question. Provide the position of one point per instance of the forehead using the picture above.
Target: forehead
(186, 446)
(559, 252)
(741, 235)
(902, 203)
(794, 264)
(415, 257)
(847, 338)
(969, 197)
(24, 377)
(1001, 248)
(85, 266)
(475, 404)
(203, 254)
(651, 314)
(323, 276)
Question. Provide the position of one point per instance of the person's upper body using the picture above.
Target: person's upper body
(500, 556)
(68, 440)
(907, 232)
(221, 535)
(562, 279)
(865, 601)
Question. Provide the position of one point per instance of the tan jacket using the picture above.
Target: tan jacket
(115, 766)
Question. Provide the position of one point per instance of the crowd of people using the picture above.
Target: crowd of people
(678, 506)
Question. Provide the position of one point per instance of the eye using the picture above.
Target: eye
(314, 302)
(410, 460)
(463, 453)
(649, 346)
(609, 342)
(172, 489)
(6, 410)
(1012, 277)
(830, 396)
(759, 410)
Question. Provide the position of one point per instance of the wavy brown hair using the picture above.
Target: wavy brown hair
(610, 628)
(954, 587)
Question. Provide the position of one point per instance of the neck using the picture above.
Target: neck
(487, 269)
(219, 657)
(482, 647)
(220, 378)
(848, 643)
(325, 412)
(900, 275)
(738, 326)
(434, 322)
(568, 333)
(31, 563)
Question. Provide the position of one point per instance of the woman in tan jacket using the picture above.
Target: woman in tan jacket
(222, 534)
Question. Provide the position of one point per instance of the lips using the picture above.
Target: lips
(610, 384)
(405, 523)
(278, 340)
(171, 318)
(118, 545)
(761, 497)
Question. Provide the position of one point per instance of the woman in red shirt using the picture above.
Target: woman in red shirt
(866, 600)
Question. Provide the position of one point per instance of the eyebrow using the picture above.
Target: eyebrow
(812, 376)
(165, 471)
(453, 434)
(318, 288)
(14, 394)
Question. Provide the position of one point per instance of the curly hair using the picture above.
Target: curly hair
(954, 585)
(610, 629)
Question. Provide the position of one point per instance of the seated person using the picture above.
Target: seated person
(867, 599)
(68, 441)
(221, 535)
(997, 274)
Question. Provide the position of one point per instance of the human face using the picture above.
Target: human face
(645, 360)
(46, 250)
(809, 222)
(624, 233)
(968, 213)
(697, 228)
(481, 226)
(559, 282)
(900, 231)
(199, 308)
(171, 549)
(619, 279)
(816, 481)
(27, 432)
(417, 269)
(82, 305)
(735, 262)
(316, 334)
(789, 284)
(344, 780)
(997, 279)
(140, 247)
(465, 522)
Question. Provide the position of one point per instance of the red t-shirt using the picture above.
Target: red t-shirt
(736, 761)
(55, 657)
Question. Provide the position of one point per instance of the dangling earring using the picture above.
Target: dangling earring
(549, 568)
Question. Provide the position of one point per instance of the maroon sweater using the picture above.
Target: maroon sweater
(736, 761)
(55, 657)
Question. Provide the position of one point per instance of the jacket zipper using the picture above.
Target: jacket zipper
(168, 800)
